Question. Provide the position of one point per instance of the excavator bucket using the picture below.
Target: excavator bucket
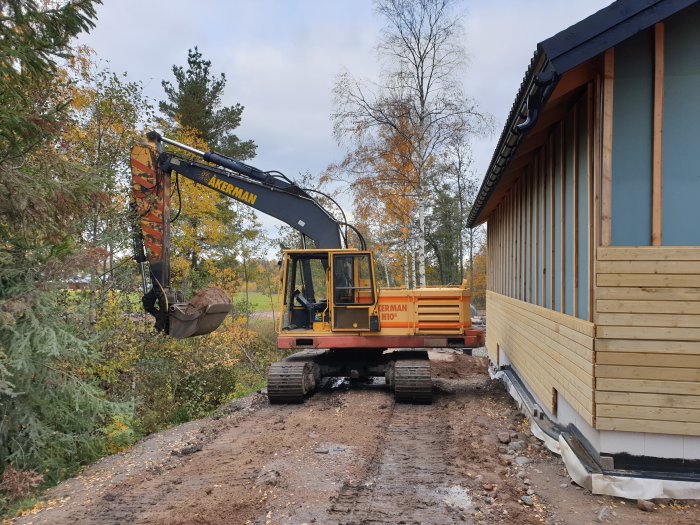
(184, 325)
(202, 315)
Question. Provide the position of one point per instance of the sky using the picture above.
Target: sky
(281, 58)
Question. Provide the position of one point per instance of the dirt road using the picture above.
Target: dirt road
(348, 456)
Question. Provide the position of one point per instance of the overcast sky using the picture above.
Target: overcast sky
(281, 58)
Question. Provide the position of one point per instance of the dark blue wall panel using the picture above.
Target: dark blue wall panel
(557, 222)
(526, 233)
(633, 92)
(540, 234)
(547, 236)
(569, 215)
(583, 230)
(681, 147)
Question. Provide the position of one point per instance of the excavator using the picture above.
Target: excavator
(333, 313)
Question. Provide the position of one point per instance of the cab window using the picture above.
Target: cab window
(352, 280)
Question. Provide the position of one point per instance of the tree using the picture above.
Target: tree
(106, 111)
(457, 168)
(419, 98)
(211, 227)
(209, 233)
(195, 102)
(50, 414)
(478, 277)
(384, 190)
(33, 38)
(443, 236)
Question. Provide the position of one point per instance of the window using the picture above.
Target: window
(352, 280)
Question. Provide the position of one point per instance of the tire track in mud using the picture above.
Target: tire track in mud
(411, 478)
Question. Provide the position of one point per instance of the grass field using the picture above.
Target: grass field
(258, 302)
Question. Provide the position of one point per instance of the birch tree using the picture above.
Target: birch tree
(418, 98)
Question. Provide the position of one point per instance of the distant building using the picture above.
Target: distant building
(592, 205)
(78, 283)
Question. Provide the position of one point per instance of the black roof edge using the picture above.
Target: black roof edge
(554, 57)
(522, 117)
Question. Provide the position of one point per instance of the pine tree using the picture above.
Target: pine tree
(195, 102)
(210, 223)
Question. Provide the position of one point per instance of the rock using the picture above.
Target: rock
(488, 486)
(517, 445)
(505, 459)
(382, 407)
(530, 492)
(503, 450)
(269, 477)
(520, 474)
(602, 514)
(513, 435)
(488, 500)
(564, 485)
(527, 500)
(527, 481)
(645, 505)
(322, 451)
(521, 460)
(503, 437)
(184, 451)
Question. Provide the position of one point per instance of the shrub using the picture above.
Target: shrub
(19, 484)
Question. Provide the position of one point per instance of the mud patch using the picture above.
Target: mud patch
(410, 479)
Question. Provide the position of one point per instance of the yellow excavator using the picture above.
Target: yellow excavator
(332, 311)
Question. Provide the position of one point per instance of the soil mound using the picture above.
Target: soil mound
(204, 298)
(458, 367)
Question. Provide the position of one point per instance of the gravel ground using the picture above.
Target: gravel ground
(349, 455)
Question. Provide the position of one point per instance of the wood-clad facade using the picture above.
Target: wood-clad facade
(647, 342)
(594, 245)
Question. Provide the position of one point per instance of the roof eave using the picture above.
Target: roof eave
(553, 58)
(535, 89)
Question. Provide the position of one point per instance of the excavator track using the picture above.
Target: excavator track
(290, 381)
(412, 381)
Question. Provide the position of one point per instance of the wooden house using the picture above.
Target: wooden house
(592, 206)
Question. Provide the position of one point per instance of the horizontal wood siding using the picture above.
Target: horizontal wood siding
(648, 339)
(548, 349)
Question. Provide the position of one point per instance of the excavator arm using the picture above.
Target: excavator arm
(268, 192)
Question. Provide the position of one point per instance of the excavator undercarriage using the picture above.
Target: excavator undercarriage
(406, 373)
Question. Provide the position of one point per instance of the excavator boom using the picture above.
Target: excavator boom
(152, 169)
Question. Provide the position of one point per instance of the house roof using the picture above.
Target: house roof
(552, 59)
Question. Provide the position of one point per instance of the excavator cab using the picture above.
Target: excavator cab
(328, 291)
(354, 293)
